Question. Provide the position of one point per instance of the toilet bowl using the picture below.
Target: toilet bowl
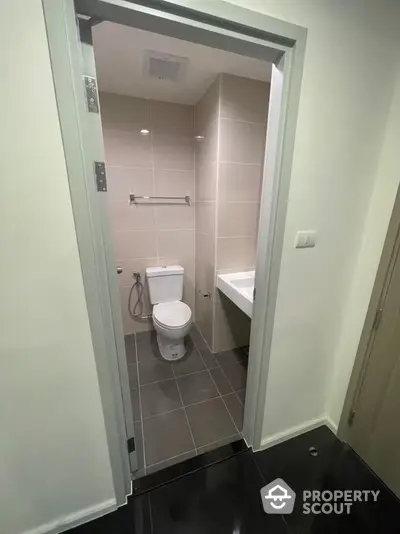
(172, 322)
(172, 318)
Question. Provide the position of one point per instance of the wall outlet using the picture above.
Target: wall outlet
(305, 239)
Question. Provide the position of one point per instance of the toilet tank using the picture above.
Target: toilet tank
(165, 283)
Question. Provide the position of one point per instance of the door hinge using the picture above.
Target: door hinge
(377, 319)
(101, 178)
(254, 294)
(92, 99)
(131, 445)
(352, 415)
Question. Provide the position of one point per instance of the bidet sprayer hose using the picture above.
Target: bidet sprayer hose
(137, 311)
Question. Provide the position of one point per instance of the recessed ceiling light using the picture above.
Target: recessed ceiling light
(199, 137)
(144, 131)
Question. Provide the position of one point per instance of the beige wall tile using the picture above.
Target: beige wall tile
(121, 181)
(176, 243)
(205, 265)
(231, 325)
(173, 152)
(129, 266)
(173, 217)
(237, 219)
(241, 142)
(172, 119)
(206, 181)
(135, 244)
(239, 182)
(244, 99)
(131, 325)
(235, 252)
(206, 110)
(124, 112)
(127, 149)
(205, 217)
(174, 183)
(206, 149)
(130, 216)
(204, 318)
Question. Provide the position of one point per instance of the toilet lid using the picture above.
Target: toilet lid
(172, 314)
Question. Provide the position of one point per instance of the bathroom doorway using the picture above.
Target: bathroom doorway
(184, 128)
(217, 343)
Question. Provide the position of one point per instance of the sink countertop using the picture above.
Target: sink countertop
(239, 288)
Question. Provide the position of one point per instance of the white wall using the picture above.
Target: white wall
(347, 86)
(53, 452)
(376, 225)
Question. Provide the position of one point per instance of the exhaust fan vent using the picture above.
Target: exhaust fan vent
(164, 66)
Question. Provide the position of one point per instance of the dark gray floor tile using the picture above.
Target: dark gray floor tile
(197, 338)
(166, 436)
(135, 404)
(221, 381)
(217, 444)
(145, 337)
(196, 387)
(139, 444)
(133, 377)
(159, 398)
(191, 363)
(236, 374)
(146, 344)
(154, 370)
(130, 348)
(235, 408)
(227, 357)
(209, 358)
(171, 461)
(209, 422)
(242, 395)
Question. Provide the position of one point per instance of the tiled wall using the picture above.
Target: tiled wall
(206, 125)
(161, 164)
(235, 110)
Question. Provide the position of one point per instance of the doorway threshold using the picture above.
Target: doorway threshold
(159, 478)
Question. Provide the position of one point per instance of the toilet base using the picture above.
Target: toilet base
(171, 349)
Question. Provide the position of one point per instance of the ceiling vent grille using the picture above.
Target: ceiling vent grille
(164, 66)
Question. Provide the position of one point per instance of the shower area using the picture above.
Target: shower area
(184, 169)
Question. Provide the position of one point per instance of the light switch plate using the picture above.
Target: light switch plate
(305, 239)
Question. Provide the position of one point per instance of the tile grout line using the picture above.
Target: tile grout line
(212, 378)
(140, 407)
(175, 377)
(215, 385)
(184, 410)
(172, 458)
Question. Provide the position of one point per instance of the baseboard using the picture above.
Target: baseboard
(66, 522)
(296, 431)
(331, 425)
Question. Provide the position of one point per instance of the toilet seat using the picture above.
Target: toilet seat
(172, 315)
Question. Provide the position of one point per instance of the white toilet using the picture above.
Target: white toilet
(172, 318)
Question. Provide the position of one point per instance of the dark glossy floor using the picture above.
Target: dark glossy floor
(225, 498)
(185, 408)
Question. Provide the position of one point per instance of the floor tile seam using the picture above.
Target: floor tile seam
(175, 377)
(186, 415)
(229, 382)
(226, 407)
(140, 409)
(239, 399)
(173, 457)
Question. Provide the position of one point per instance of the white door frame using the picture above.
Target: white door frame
(225, 26)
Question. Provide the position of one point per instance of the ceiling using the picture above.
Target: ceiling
(121, 53)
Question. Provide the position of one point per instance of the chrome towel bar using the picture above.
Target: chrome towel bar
(134, 198)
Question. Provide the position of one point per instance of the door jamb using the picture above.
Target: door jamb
(377, 302)
(229, 22)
